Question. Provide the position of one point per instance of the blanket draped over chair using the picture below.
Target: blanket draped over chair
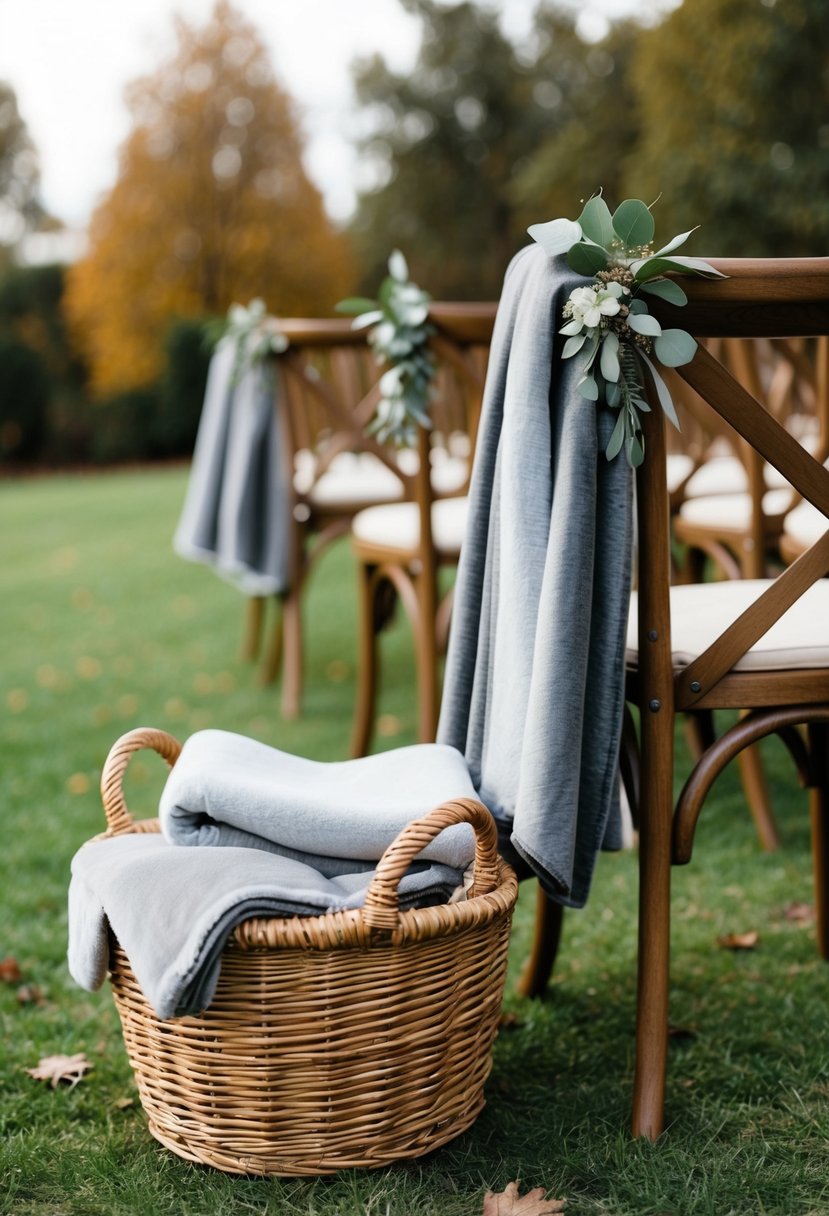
(236, 512)
(534, 685)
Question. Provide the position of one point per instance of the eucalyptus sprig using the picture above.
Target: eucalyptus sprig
(399, 335)
(254, 333)
(609, 323)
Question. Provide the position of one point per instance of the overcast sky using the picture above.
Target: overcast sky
(68, 62)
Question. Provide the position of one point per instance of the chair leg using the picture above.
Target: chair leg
(363, 724)
(536, 972)
(427, 679)
(272, 661)
(819, 809)
(757, 795)
(292, 655)
(252, 636)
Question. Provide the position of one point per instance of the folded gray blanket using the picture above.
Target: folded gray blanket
(228, 790)
(172, 909)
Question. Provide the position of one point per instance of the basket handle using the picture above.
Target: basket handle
(382, 908)
(118, 816)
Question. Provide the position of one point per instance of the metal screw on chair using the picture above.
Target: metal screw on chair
(695, 686)
(654, 706)
(653, 636)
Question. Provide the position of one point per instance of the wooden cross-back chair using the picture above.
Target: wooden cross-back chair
(760, 646)
(402, 546)
(326, 394)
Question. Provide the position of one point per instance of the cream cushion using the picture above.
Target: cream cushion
(361, 477)
(700, 612)
(397, 525)
(679, 467)
(731, 511)
(719, 475)
(805, 524)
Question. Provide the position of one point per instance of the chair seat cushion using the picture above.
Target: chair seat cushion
(805, 524)
(363, 478)
(719, 475)
(700, 612)
(397, 525)
(678, 468)
(731, 511)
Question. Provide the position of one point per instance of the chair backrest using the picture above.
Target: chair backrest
(781, 298)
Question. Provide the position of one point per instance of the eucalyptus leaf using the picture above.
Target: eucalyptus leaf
(675, 347)
(613, 396)
(367, 318)
(571, 328)
(609, 359)
(644, 323)
(557, 236)
(596, 222)
(586, 259)
(617, 437)
(634, 450)
(637, 306)
(588, 388)
(651, 268)
(573, 345)
(354, 305)
(662, 391)
(666, 289)
(633, 223)
(397, 266)
(675, 243)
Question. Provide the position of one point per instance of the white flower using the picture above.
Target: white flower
(587, 305)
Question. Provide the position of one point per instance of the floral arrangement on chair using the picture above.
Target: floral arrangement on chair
(399, 336)
(255, 333)
(608, 322)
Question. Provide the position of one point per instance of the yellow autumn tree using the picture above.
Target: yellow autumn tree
(211, 206)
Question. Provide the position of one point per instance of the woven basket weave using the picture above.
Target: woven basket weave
(356, 1038)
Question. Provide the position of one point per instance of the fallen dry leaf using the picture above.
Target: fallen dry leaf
(30, 994)
(10, 972)
(510, 1203)
(60, 1068)
(123, 1103)
(799, 912)
(739, 941)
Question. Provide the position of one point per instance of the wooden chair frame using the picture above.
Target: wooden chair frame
(777, 298)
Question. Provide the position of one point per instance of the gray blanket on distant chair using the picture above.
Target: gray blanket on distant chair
(533, 692)
(236, 514)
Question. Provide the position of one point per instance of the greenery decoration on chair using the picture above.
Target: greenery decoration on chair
(609, 323)
(399, 336)
(255, 334)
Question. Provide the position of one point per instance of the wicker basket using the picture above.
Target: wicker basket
(356, 1038)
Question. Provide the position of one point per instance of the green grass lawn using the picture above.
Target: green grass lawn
(103, 629)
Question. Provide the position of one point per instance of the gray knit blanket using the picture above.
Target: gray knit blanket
(534, 684)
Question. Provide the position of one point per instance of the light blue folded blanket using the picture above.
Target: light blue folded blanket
(295, 836)
(172, 909)
(228, 790)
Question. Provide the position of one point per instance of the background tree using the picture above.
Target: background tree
(20, 208)
(445, 140)
(483, 138)
(591, 126)
(211, 205)
(733, 100)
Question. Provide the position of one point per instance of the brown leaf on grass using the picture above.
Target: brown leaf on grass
(10, 972)
(123, 1103)
(30, 994)
(739, 941)
(55, 1069)
(799, 912)
(510, 1203)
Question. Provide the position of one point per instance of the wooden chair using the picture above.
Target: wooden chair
(402, 546)
(760, 646)
(326, 393)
